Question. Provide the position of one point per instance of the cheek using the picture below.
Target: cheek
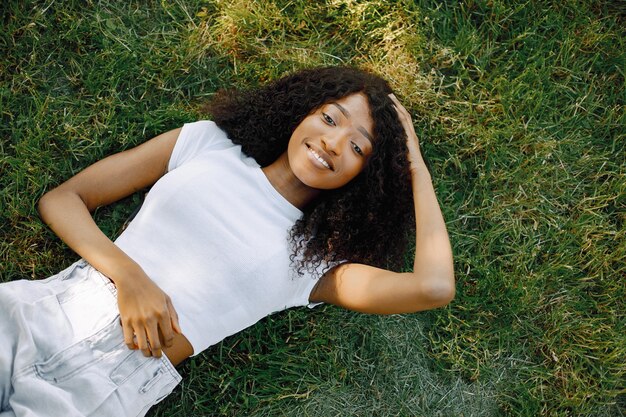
(357, 164)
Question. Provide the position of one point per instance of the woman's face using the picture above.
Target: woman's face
(332, 144)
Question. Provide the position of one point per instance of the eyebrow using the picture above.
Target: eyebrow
(359, 128)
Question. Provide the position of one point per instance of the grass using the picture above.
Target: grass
(520, 110)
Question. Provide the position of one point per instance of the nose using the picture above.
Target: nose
(333, 143)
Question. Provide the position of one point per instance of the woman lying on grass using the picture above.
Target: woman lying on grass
(304, 191)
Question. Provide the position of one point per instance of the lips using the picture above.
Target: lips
(321, 156)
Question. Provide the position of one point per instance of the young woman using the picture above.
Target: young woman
(305, 191)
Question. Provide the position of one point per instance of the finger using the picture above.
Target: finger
(142, 341)
(174, 317)
(395, 101)
(404, 115)
(128, 335)
(166, 331)
(153, 338)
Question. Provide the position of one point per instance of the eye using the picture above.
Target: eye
(328, 119)
(357, 149)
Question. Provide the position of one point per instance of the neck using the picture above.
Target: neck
(280, 175)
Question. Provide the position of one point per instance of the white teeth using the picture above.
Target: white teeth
(319, 158)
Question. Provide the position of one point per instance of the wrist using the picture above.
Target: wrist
(420, 178)
(417, 165)
(124, 272)
(414, 154)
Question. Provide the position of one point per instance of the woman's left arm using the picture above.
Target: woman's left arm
(431, 284)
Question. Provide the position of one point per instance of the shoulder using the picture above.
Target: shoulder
(198, 138)
(203, 131)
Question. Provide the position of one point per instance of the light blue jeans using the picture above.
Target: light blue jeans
(62, 351)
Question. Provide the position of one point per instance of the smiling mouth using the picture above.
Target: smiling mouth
(319, 158)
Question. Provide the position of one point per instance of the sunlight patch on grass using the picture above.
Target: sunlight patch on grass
(395, 368)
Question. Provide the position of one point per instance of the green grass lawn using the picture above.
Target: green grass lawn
(520, 110)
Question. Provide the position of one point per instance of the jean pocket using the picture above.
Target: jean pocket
(103, 346)
(77, 377)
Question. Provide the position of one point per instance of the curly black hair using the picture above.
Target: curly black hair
(369, 219)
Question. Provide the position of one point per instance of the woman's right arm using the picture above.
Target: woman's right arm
(67, 211)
